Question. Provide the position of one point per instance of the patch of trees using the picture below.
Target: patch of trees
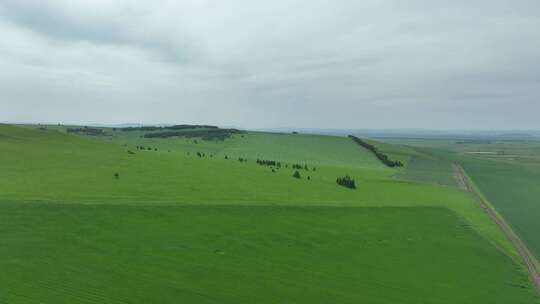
(183, 127)
(175, 127)
(146, 148)
(270, 163)
(149, 128)
(206, 134)
(242, 160)
(381, 156)
(301, 167)
(346, 181)
(87, 131)
(296, 174)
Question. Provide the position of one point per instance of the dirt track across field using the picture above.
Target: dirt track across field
(528, 259)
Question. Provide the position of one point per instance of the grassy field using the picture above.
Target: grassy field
(173, 225)
(118, 254)
(430, 170)
(506, 171)
(514, 191)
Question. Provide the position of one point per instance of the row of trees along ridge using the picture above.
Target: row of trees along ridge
(381, 156)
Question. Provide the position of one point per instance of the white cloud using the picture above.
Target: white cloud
(280, 63)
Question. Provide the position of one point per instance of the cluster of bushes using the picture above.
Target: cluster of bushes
(381, 156)
(298, 166)
(207, 134)
(146, 148)
(302, 167)
(346, 181)
(297, 174)
(242, 160)
(175, 127)
(87, 131)
(270, 163)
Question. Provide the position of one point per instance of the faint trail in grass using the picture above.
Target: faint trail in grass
(528, 258)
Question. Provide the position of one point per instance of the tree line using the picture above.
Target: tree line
(175, 127)
(207, 134)
(87, 131)
(381, 156)
(270, 163)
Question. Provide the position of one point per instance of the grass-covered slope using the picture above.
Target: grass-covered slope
(175, 226)
(429, 170)
(514, 190)
(292, 148)
(507, 172)
(123, 254)
(48, 165)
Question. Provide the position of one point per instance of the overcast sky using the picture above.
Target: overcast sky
(445, 64)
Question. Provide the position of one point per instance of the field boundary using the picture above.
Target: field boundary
(529, 260)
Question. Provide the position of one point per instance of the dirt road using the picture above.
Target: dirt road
(528, 258)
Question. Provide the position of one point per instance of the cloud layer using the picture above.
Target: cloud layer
(299, 63)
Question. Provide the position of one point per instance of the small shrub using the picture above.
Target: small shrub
(297, 174)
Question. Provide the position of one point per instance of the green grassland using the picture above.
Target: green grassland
(212, 229)
(297, 148)
(507, 173)
(430, 170)
(522, 151)
(118, 254)
(399, 152)
(513, 189)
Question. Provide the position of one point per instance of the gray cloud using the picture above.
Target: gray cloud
(365, 64)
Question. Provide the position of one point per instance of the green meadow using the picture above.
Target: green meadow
(506, 172)
(88, 219)
(513, 189)
(430, 170)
